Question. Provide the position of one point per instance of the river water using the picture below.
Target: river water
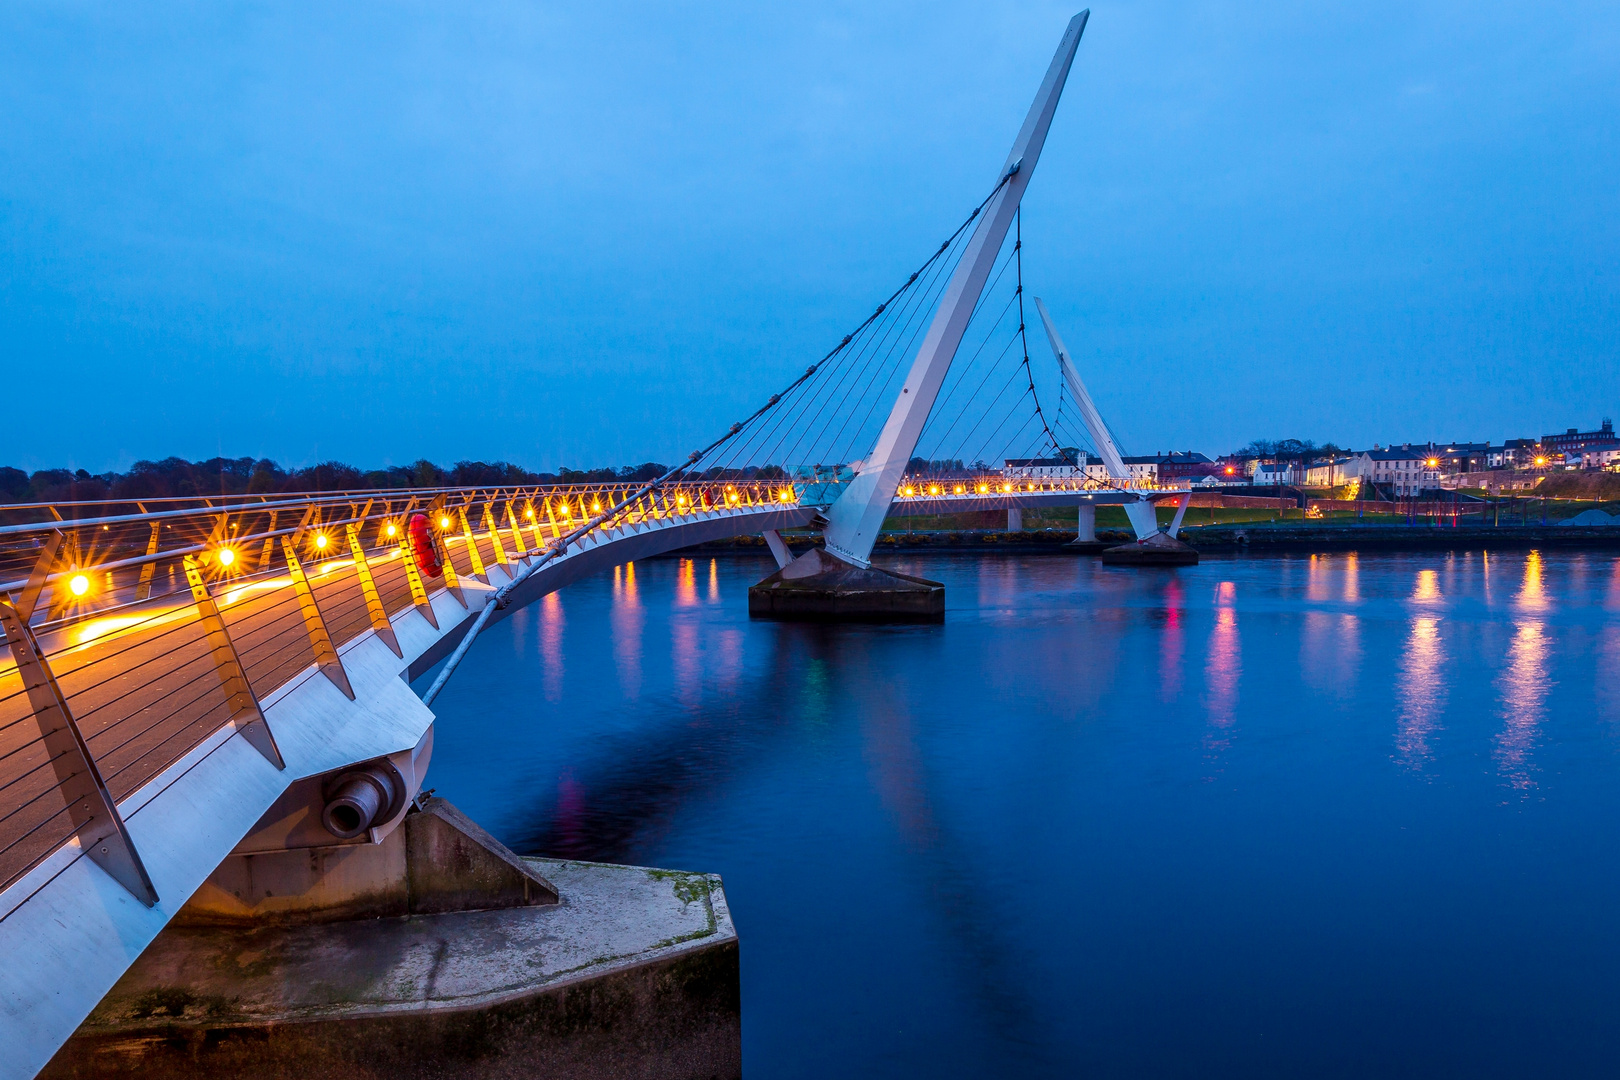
(1324, 815)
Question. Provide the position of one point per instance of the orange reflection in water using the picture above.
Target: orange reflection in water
(627, 618)
(1317, 572)
(686, 584)
(1421, 691)
(1524, 687)
(1428, 586)
(1532, 596)
(1352, 579)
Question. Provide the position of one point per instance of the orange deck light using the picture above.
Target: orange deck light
(78, 584)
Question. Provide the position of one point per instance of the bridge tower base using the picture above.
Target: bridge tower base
(819, 587)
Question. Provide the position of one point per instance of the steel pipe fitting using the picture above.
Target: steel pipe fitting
(358, 799)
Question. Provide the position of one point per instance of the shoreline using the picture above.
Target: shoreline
(1214, 539)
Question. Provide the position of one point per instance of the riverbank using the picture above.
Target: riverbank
(1250, 536)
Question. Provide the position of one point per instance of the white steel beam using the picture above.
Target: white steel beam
(1143, 520)
(855, 518)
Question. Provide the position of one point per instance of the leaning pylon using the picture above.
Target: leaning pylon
(839, 582)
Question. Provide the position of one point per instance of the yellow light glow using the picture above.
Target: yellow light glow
(1433, 462)
(933, 489)
(529, 513)
(1006, 489)
(564, 510)
(1541, 461)
(392, 529)
(960, 489)
(320, 541)
(226, 556)
(910, 491)
(444, 521)
(78, 584)
(984, 489)
(596, 508)
(680, 500)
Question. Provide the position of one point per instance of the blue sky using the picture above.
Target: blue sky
(590, 234)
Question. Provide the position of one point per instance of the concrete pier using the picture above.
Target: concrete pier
(1160, 549)
(819, 586)
(633, 974)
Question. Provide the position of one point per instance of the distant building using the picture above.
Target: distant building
(1144, 469)
(1522, 454)
(1579, 442)
(1055, 468)
(1271, 473)
(1176, 465)
(1463, 457)
(1405, 470)
(1593, 458)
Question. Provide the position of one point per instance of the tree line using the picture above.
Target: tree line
(176, 477)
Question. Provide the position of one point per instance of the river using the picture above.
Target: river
(1329, 815)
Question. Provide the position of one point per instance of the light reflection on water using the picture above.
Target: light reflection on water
(1052, 835)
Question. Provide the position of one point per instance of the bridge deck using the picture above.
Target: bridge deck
(128, 646)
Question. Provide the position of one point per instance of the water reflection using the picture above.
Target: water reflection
(1421, 691)
(1523, 687)
(1330, 653)
(686, 585)
(1532, 594)
(551, 646)
(1427, 588)
(1171, 645)
(1223, 667)
(1606, 683)
(628, 619)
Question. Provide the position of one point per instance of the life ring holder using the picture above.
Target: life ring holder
(423, 549)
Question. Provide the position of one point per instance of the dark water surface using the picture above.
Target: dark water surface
(1311, 816)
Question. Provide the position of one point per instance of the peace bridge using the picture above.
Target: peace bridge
(207, 710)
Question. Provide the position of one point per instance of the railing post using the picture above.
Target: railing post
(534, 526)
(495, 538)
(472, 547)
(96, 823)
(517, 534)
(413, 573)
(143, 588)
(368, 587)
(452, 582)
(326, 657)
(246, 715)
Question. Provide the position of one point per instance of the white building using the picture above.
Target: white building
(1406, 470)
(1048, 468)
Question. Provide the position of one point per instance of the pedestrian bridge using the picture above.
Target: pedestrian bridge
(172, 671)
(188, 679)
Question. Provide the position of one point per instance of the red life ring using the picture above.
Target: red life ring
(423, 549)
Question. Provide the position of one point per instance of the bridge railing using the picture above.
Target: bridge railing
(132, 639)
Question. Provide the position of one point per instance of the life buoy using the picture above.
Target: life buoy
(423, 549)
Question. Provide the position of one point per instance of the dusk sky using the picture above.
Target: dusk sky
(593, 234)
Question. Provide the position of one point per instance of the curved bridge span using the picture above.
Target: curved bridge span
(171, 672)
